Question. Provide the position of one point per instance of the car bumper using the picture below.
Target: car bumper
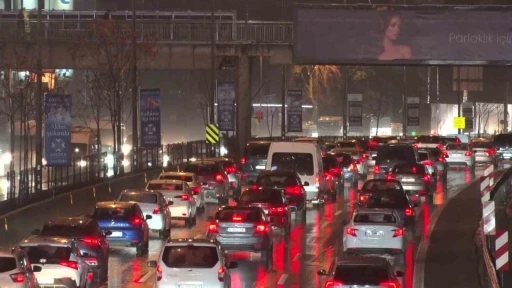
(295, 201)
(157, 222)
(64, 282)
(130, 238)
(459, 162)
(353, 244)
(241, 243)
(277, 220)
(180, 212)
(484, 159)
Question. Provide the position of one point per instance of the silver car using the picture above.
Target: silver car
(414, 178)
(484, 151)
(460, 154)
(16, 271)
(232, 172)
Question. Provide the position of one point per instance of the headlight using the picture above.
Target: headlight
(126, 148)
(223, 151)
(193, 159)
(82, 163)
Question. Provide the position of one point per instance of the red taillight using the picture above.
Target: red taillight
(317, 181)
(445, 154)
(91, 241)
(327, 176)
(390, 177)
(390, 284)
(468, 153)
(277, 210)
(185, 198)
(352, 167)
(363, 198)
(158, 273)
(293, 190)
(212, 228)
(157, 210)
(195, 190)
(439, 146)
(490, 152)
(376, 169)
(137, 221)
(398, 232)
(440, 159)
(457, 140)
(365, 156)
(231, 169)
(220, 273)
(373, 143)
(414, 170)
(332, 283)
(427, 163)
(409, 212)
(358, 161)
(261, 228)
(335, 171)
(18, 277)
(254, 187)
(426, 178)
(415, 145)
(237, 218)
(69, 264)
(243, 160)
(219, 178)
(90, 276)
(351, 231)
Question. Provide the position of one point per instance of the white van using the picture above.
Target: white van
(306, 160)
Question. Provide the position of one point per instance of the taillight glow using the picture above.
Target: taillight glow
(365, 156)
(212, 228)
(254, 187)
(18, 277)
(390, 176)
(243, 160)
(468, 153)
(426, 179)
(91, 240)
(414, 170)
(332, 283)
(351, 231)
(136, 221)
(157, 210)
(296, 189)
(415, 145)
(220, 273)
(317, 181)
(390, 284)
(358, 161)
(219, 178)
(237, 218)
(185, 198)
(277, 210)
(195, 190)
(490, 152)
(373, 143)
(352, 167)
(376, 169)
(363, 198)
(335, 171)
(439, 146)
(427, 163)
(261, 228)
(398, 232)
(158, 273)
(69, 264)
(230, 169)
(409, 212)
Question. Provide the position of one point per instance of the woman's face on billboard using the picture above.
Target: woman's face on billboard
(393, 29)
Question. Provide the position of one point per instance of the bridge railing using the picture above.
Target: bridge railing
(196, 32)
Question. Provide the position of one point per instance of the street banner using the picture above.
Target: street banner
(294, 111)
(413, 112)
(57, 130)
(226, 112)
(150, 118)
(355, 112)
(467, 113)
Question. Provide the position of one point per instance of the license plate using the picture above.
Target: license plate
(456, 154)
(116, 234)
(408, 179)
(236, 229)
(260, 167)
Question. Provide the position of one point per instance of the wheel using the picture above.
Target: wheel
(266, 257)
(188, 222)
(139, 249)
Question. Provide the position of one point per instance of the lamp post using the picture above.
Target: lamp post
(135, 94)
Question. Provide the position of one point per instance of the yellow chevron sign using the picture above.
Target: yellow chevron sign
(212, 134)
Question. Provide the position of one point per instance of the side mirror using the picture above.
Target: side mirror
(108, 233)
(251, 182)
(152, 264)
(149, 217)
(399, 274)
(306, 184)
(321, 272)
(209, 218)
(232, 265)
(37, 269)
(36, 231)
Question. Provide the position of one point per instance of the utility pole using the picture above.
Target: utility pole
(212, 67)
(505, 103)
(39, 102)
(283, 94)
(135, 95)
(404, 104)
(458, 97)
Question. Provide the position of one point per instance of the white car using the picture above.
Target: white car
(15, 271)
(374, 231)
(59, 262)
(184, 205)
(192, 182)
(154, 204)
(192, 263)
(360, 158)
(460, 154)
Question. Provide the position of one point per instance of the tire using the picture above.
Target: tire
(188, 222)
(266, 257)
(139, 249)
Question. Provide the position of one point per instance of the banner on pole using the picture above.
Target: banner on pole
(150, 118)
(57, 130)
(226, 106)
(355, 112)
(467, 113)
(413, 112)
(294, 111)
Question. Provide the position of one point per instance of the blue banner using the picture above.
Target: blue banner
(150, 117)
(226, 106)
(294, 111)
(57, 130)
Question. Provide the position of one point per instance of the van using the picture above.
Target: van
(306, 160)
(253, 160)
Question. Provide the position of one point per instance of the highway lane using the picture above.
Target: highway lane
(311, 247)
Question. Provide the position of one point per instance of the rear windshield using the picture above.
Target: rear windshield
(329, 163)
(190, 256)
(201, 169)
(164, 186)
(247, 216)
(276, 180)
(330, 146)
(396, 153)
(428, 139)
(46, 254)
(423, 156)
(302, 163)
(374, 218)
(113, 213)
(387, 200)
(408, 169)
(381, 185)
(364, 274)
(343, 158)
(139, 197)
(481, 144)
(346, 144)
(447, 140)
(263, 196)
(434, 151)
(259, 150)
(454, 146)
(67, 230)
(176, 177)
(7, 264)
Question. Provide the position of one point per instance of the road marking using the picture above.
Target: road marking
(338, 212)
(282, 279)
(146, 277)
(311, 239)
(324, 225)
(297, 257)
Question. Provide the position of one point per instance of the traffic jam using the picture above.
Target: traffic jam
(254, 207)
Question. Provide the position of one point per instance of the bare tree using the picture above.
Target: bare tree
(378, 107)
(270, 114)
(440, 115)
(483, 112)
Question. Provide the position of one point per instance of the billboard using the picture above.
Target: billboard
(57, 130)
(355, 112)
(294, 111)
(421, 36)
(150, 118)
(413, 112)
(226, 106)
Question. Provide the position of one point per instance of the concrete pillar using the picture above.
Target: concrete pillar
(243, 101)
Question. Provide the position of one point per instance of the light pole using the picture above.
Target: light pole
(135, 94)
(212, 67)
(39, 102)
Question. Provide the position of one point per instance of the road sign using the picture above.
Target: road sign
(467, 113)
(212, 134)
(413, 113)
(459, 122)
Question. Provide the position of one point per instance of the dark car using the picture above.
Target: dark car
(272, 201)
(349, 167)
(334, 175)
(381, 140)
(242, 229)
(439, 155)
(124, 223)
(387, 194)
(213, 178)
(254, 159)
(389, 155)
(90, 239)
(231, 170)
(503, 144)
(361, 271)
(288, 182)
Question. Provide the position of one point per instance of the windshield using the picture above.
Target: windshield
(374, 218)
(329, 163)
(302, 163)
(361, 274)
(202, 169)
(429, 139)
(66, 230)
(262, 196)
(387, 200)
(176, 177)
(113, 213)
(276, 180)
(7, 264)
(481, 144)
(423, 156)
(381, 185)
(454, 146)
(164, 186)
(247, 216)
(256, 150)
(47, 254)
(408, 169)
(190, 256)
(139, 197)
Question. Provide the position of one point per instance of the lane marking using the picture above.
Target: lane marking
(324, 225)
(145, 277)
(282, 279)
(338, 212)
(297, 257)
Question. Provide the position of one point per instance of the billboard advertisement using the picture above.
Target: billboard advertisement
(421, 36)
(57, 130)
(413, 112)
(294, 111)
(150, 118)
(355, 112)
(226, 106)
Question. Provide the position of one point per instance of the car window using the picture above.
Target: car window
(396, 153)
(361, 273)
(301, 163)
(422, 156)
(66, 230)
(256, 150)
(176, 177)
(387, 200)
(202, 169)
(276, 180)
(343, 158)
(455, 146)
(229, 215)
(381, 185)
(329, 163)
(263, 195)
(481, 144)
(139, 197)
(7, 264)
(408, 169)
(429, 139)
(374, 218)
(165, 187)
(113, 213)
(346, 145)
(190, 256)
(434, 151)
(47, 254)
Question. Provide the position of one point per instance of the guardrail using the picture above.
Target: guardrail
(186, 32)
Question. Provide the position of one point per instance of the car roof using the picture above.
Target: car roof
(217, 159)
(346, 140)
(277, 172)
(178, 173)
(257, 142)
(69, 221)
(227, 208)
(112, 204)
(374, 211)
(165, 181)
(45, 240)
(204, 162)
(362, 260)
(480, 140)
(398, 144)
(141, 192)
(134, 191)
(188, 241)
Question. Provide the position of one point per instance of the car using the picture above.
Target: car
(389, 155)
(15, 269)
(348, 166)
(242, 229)
(440, 158)
(445, 140)
(503, 143)
(349, 145)
(484, 151)
(371, 151)
(359, 158)
(381, 140)
(460, 154)
(213, 178)
(333, 172)
(414, 178)
(430, 141)
(184, 206)
(273, 202)
(59, 262)
(192, 182)
(388, 194)
(234, 176)
(254, 160)
(289, 182)
(205, 258)
(154, 204)
(426, 158)
(319, 141)
(124, 224)
(88, 236)
(330, 145)
(374, 231)
(358, 271)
